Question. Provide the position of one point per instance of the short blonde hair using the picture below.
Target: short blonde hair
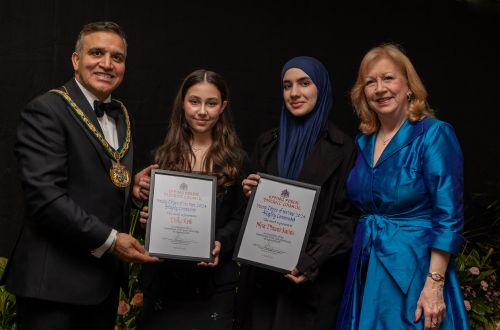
(418, 107)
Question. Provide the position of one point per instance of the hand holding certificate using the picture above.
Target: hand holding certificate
(277, 223)
(181, 219)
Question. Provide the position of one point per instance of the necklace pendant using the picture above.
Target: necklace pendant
(120, 176)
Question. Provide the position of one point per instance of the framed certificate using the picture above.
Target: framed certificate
(277, 223)
(181, 221)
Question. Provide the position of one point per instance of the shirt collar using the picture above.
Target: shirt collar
(89, 96)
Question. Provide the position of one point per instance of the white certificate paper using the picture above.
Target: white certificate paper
(277, 223)
(181, 219)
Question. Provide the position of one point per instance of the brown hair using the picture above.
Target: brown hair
(225, 152)
(418, 107)
(98, 27)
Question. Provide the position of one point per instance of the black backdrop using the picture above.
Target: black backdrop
(453, 45)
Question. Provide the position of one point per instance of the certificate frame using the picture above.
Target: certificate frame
(248, 246)
(179, 197)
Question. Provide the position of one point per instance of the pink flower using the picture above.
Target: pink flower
(484, 285)
(467, 305)
(137, 299)
(123, 308)
(474, 271)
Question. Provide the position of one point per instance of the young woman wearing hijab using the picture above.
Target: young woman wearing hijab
(307, 148)
(408, 184)
(201, 138)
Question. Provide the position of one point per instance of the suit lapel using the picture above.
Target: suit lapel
(77, 96)
(120, 128)
(127, 160)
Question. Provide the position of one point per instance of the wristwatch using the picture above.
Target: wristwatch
(436, 277)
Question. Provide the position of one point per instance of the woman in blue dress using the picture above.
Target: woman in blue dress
(408, 183)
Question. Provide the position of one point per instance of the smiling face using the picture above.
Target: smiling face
(202, 107)
(299, 92)
(100, 65)
(386, 89)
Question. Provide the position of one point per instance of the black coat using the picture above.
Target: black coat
(71, 204)
(270, 301)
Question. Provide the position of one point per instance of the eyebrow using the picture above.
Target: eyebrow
(91, 49)
(199, 98)
(103, 49)
(301, 79)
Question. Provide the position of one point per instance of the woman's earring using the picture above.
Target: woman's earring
(409, 96)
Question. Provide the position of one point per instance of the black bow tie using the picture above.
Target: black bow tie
(112, 108)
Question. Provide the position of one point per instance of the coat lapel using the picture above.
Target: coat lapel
(324, 159)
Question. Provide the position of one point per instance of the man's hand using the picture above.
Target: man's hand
(128, 249)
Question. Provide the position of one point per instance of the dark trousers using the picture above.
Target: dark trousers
(37, 314)
(189, 312)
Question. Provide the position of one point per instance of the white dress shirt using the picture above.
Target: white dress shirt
(108, 126)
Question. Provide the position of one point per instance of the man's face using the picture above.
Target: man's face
(100, 65)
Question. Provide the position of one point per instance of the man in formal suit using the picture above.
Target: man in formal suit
(75, 159)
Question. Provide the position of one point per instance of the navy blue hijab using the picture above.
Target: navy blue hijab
(298, 135)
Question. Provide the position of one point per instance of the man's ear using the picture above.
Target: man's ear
(75, 58)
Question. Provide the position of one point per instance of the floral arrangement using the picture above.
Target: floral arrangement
(130, 304)
(480, 288)
(479, 260)
(7, 304)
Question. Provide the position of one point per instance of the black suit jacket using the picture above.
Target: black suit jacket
(71, 204)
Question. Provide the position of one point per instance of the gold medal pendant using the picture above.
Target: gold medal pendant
(120, 176)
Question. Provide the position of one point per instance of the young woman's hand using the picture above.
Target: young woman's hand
(140, 190)
(215, 253)
(296, 277)
(143, 220)
(251, 181)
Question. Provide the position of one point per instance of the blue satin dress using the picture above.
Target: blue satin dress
(411, 201)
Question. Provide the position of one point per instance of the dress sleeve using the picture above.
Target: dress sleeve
(443, 175)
